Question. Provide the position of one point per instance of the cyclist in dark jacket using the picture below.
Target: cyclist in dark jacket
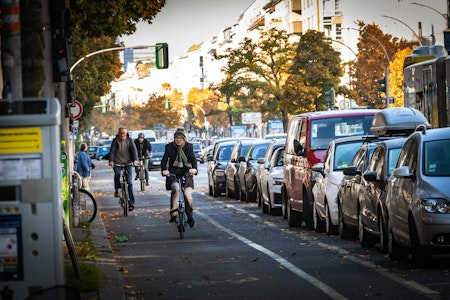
(179, 159)
(144, 150)
(123, 152)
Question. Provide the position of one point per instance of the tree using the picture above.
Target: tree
(396, 77)
(256, 72)
(372, 62)
(316, 69)
(153, 112)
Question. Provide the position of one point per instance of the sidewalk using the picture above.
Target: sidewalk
(112, 284)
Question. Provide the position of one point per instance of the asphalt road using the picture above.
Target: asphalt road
(237, 252)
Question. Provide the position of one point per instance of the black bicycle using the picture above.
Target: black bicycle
(124, 195)
(84, 203)
(181, 219)
(141, 173)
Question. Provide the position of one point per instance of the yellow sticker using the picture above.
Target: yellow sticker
(20, 140)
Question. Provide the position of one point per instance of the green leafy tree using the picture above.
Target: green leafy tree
(316, 69)
(372, 62)
(256, 72)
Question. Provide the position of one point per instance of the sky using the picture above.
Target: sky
(183, 23)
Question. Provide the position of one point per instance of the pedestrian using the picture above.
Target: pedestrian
(179, 160)
(84, 165)
(123, 152)
(144, 150)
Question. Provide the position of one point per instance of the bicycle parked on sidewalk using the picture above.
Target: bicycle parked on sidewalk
(84, 203)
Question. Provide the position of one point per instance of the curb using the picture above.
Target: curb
(112, 283)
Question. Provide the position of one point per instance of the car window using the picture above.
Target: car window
(344, 154)
(323, 131)
(225, 152)
(436, 158)
(244, 150)
(403, 156)
(258, 151)
(294, 129)
(392, 159)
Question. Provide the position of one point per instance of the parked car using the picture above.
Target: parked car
(92, 151)
(271, 178)
(198, 152)
(103, 152)
(158, 148)
(418, 197)
(216, 168)
(308, 136)
(339, 155)
(275, 136)
(373, 201)
(274, 144)
(389, 123)
(231, 170)
(248, 169)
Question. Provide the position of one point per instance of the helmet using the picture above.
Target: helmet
(141, 135)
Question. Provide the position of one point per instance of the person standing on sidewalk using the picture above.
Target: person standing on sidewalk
(84, 165)
(123, 152)
(144, 149)
(179, 159)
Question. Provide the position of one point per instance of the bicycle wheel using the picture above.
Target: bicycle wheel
(71, 249)
(181, 228)
(125, 199)
(88, 206)
(142, 177)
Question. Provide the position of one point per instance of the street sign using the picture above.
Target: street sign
(76, 110)
(251, 118)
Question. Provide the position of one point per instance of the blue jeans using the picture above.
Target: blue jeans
(117, 185)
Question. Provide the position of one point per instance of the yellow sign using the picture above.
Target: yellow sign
(19, 140)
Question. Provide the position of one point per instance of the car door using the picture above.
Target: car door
(319, 189)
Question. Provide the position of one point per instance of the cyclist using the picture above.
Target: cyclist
(123, 152)
(179, 159)
(144, 150)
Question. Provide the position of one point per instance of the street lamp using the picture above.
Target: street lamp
(419, 38)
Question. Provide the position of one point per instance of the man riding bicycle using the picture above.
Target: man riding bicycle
(123, 152)
(144, 150)
(179, 160)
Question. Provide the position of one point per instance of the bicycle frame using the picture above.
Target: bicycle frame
(181, 209)
(124, 197)
(142, 173)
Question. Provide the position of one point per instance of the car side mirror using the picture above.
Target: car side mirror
(318, 168)
(260, 161)
(209, 158)
(371, 176)
(241, 159)
(298, 149)
(403, 172)
(351, 171)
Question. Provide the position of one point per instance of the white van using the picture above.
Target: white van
(148, 133)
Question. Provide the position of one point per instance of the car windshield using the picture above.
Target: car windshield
(91, 149)
(197, 147)
(437, 158)
(258, 151)
(323, 131)
(344, 153)
(225, 152)
(158, 147)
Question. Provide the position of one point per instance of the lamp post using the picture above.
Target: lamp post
(447, 19)
(419, 38)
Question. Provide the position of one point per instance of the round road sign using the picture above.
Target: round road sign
(77, 110)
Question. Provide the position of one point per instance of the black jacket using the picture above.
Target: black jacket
(131, 149)
(144, 148)
(170, 153)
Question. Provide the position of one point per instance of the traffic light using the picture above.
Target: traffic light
(330, 94)
(383, 84)
(60, 60)
(162, 55)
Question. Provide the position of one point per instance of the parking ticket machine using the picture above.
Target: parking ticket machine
(31, 227)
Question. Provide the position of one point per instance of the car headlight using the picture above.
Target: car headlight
(219, 172)
(436, 205)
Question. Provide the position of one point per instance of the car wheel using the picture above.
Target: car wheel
(396, 251)
(250, 196)
(344, 232)
(329, 227)
(307, 211)
(243, 196)
(365, 238)
(264, 206)
(294, 218)
(421, 254)
(319, 224)
(215, 192)
(210, 190)
(273, 210)
(237, 192)
(382, 229)
(258, 197)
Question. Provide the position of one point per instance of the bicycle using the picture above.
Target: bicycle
(182, 216)
(84, 203)
(124, 196)
(141, 173)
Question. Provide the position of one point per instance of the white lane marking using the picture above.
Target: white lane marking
(412, 285)
(297, 271)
